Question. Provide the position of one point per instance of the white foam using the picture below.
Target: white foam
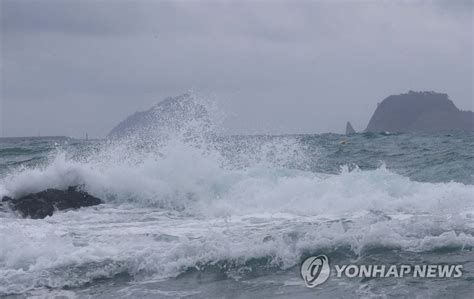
(199, 181)
(75, 247)
(183, 205)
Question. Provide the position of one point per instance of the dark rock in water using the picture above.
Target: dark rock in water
(168, 116)
(349, 129)
(44, 203)
(419, 112)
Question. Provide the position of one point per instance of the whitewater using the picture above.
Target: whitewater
(235, 216)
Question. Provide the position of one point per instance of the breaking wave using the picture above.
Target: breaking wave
(201, 180)
(232, 204)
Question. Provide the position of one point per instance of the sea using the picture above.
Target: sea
(236, 216)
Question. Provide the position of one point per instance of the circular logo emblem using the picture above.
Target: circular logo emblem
(315, 270)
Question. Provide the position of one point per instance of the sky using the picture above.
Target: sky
(272, 67)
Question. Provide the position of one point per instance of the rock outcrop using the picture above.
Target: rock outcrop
(349, 129)
(44, 203)
(419, 112)
(168, 116)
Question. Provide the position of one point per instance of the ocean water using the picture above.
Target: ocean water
(234, 217)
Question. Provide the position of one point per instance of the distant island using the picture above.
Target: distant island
(349, 129)
(180, 113)
(424, 111)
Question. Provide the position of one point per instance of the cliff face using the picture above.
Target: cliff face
(419, 112)
(170, 115)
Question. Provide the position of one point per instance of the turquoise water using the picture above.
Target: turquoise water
(235, 216)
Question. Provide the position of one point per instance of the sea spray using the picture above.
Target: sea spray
(233, 209)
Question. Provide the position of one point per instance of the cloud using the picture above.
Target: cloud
(70, 17)
(277, 67)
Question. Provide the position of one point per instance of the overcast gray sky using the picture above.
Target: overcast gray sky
(70, 67)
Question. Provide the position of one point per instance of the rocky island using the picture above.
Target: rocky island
(349, 129)
(419, 112)
(168, 116)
